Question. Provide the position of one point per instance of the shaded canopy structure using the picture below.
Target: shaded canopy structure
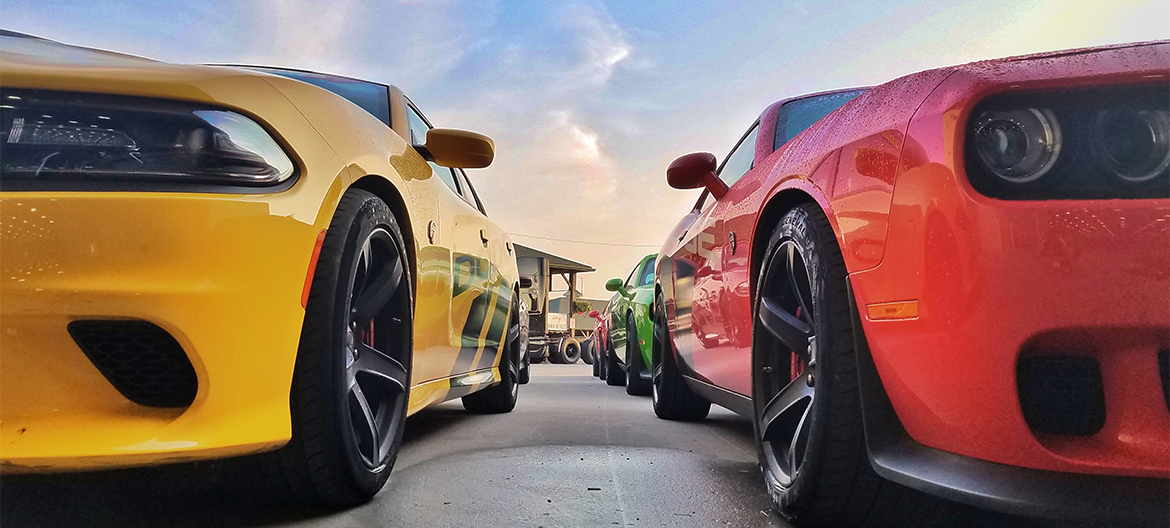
(544, 266)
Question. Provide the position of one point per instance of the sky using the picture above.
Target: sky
(589, 101)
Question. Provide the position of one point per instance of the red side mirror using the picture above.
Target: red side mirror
(593, 314)
(696, 170)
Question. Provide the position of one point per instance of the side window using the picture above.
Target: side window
(795, 116)
(741, 158)
(466, 183)
(647, 274)
(418, 136)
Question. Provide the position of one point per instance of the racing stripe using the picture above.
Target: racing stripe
(495, 333)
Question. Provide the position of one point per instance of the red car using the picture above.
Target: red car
(598, 342)
(953, 285)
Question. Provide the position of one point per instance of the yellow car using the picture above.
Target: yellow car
(202, 262)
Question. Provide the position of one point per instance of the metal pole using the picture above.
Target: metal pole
(572, 302)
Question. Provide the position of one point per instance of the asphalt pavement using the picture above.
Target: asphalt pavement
(574, 453)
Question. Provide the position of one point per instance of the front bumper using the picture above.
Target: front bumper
(994, 281)
(1071, 497)
(222, 274)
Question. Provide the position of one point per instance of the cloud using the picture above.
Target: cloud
(410, 42)
(302, 29)
(602, 44)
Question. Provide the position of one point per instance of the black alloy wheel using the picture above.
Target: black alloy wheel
(804, 385)
(636, 385)
(377, 382)
(501, 397)
(351, 385)
(786, 375)
(672, 398)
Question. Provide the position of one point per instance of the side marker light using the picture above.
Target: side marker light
(893, 310)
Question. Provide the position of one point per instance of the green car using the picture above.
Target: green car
(631, 328)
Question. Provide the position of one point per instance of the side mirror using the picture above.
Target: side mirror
(616, 285)
(460, 149)
(525, 282)
(694, 171)
(594, 314)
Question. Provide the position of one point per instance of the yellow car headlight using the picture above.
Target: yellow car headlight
(58, 140)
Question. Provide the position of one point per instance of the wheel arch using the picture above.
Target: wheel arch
(773, 211)
(387, 192)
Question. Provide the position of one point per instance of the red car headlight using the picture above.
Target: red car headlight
(1100, 143)
(1132, 144)
(1018, 146)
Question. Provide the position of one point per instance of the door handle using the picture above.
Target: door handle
(483, 238)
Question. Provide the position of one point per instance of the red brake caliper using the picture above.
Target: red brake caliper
(368, 334)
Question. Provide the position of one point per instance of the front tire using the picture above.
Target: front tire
(351, 382)
(804, 385)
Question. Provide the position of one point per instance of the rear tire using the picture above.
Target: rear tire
(636, 385)
(672, 398)
(808, 426)
(602, 359)
(614, 375)
(501, 397)
(570, 350)
(591, 350)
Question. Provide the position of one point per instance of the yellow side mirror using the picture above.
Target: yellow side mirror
(461, 149)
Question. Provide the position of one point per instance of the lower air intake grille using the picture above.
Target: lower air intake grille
(1061, 395)
(139, 359)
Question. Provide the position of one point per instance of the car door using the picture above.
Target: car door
(619, 315)
(699, 281)
(453, 298)
(499, 292)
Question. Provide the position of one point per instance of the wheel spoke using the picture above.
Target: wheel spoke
(799, 440)
(794, 283)
(358, 398)
(790, 330)
(378, 292)
(791, 399)
(375, 362)
(657, 373)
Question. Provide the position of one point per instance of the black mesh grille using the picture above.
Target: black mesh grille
(1061, 395)
(140, 359)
